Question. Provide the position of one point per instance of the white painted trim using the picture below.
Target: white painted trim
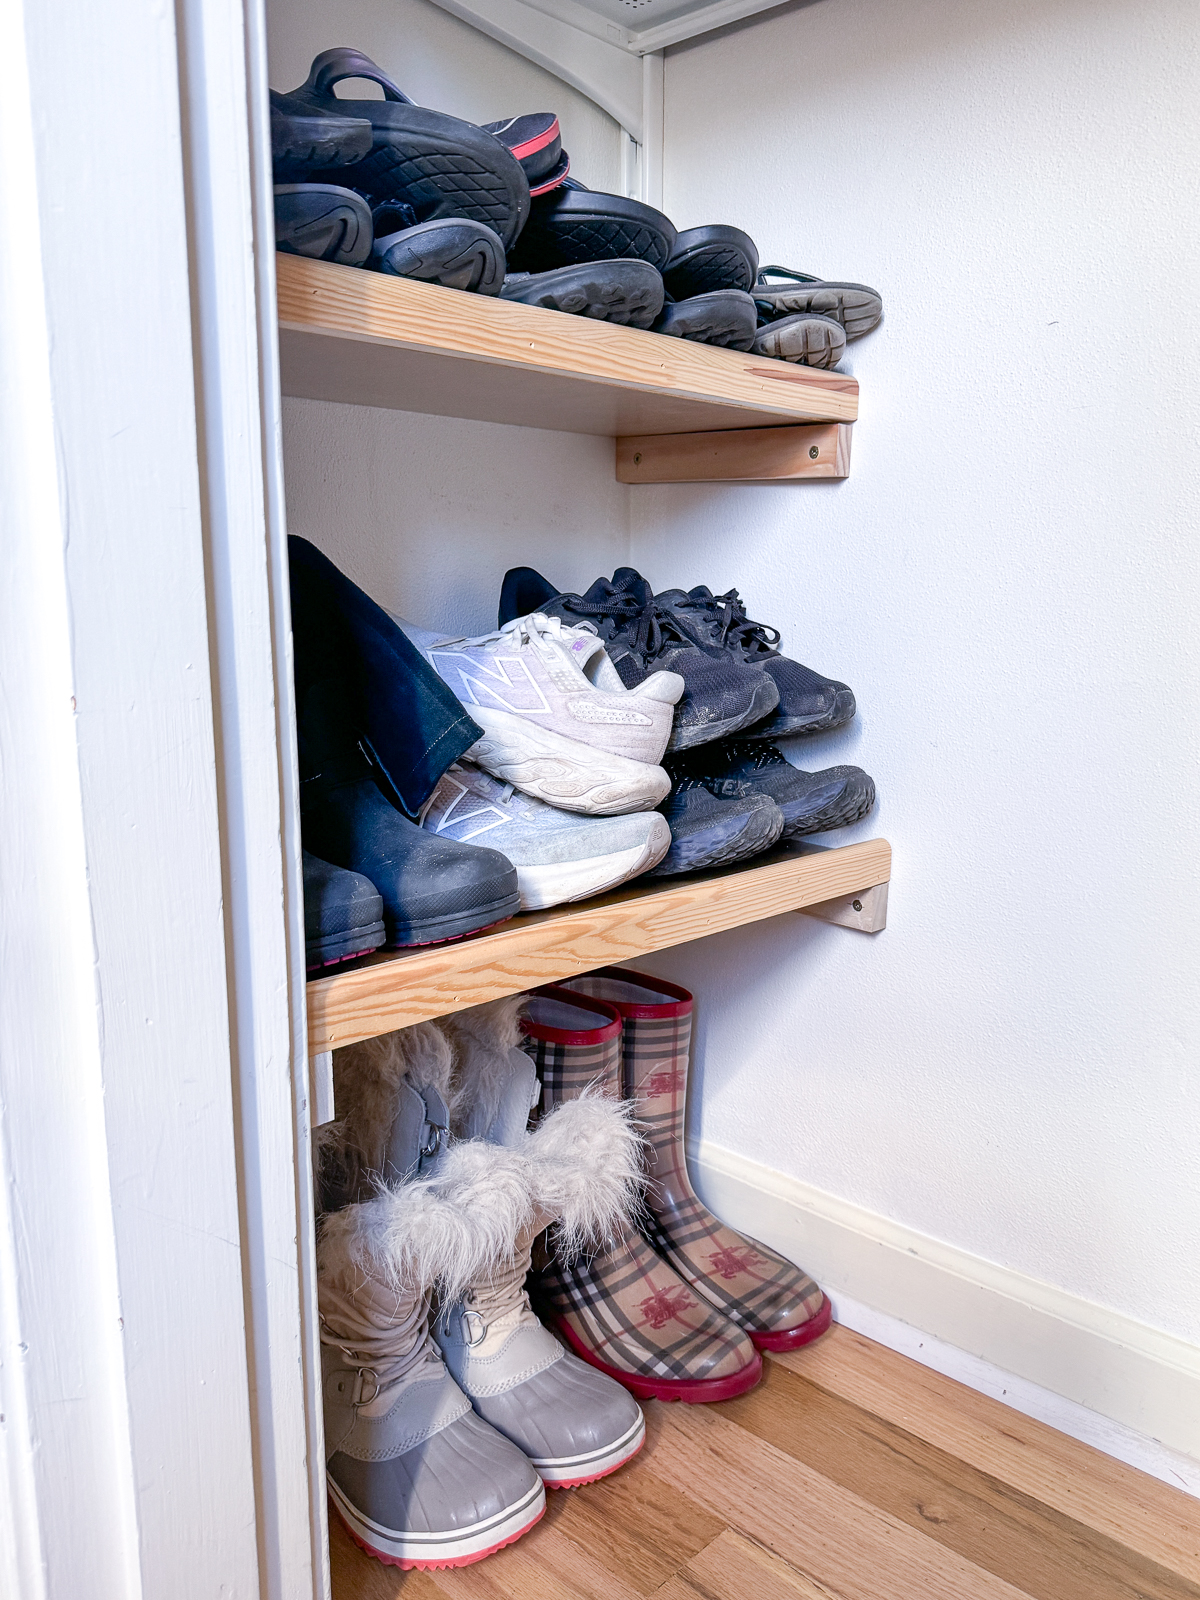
(653, 128)
(1137, 1375)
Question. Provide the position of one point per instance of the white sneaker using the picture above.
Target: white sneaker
(558, 856)
(558, 722)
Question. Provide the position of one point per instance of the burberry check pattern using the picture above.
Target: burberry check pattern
(754, 1287)
(627, 1306)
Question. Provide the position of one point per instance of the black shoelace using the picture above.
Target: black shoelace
(645, 627)
(734, 629)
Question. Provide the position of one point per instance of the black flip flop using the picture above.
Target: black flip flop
(857, 307)
(573, 224)
(323, 221)
(437, 164)
(716, 257)
(305, 139)
(536, 141)
(808, 339)
(723, 316)
(628, 292)
(455, 252)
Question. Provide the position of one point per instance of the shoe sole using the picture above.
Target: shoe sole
(732, 839)
(724, 317)
(853, 803)
(542, 887)
(458, 1548)
(335, 947)
(763, 701)
(854, 305)
(692, 1391)
(779, 727)
(458, 255)
(794, 1338)
(564, 772)
(811, 341)
(626, 292)
(579, 225)
(440, 930)
(322, 221)
(569, 1472)
(715, 257)
(306, 143)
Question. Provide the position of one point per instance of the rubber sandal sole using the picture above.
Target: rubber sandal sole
(726, 317)
(324, 221)
(625, 292)
(810, 341)
(705, 259)
(457, 254)
(692, 1391)
(795, 1338)
(570, 226)
(856, 306)
(303, 141)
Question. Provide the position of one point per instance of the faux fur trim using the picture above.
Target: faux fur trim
(445, 1231)
(480, 1041)
(366, 1077)
(587, 1171)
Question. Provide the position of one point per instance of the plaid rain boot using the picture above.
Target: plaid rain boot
(418, 1479)
(774, 1303)
(574, 1423)
(625, 1310)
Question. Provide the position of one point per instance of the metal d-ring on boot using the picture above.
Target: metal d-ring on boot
(775, 1303)
(416, 1476)
(574, 1423)
(625, 1310)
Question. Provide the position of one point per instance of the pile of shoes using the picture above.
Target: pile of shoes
(446, 783)
(491, 209)
(450, 1407)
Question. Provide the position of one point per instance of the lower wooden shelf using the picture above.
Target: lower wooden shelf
(396, 989)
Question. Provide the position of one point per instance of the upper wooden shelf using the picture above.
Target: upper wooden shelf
(360, 337)
(397, 988)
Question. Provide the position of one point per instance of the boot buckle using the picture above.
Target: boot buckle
(358, 1394)
(469, 1321)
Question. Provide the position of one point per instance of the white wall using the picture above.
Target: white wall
(444, 64)
(1009, 581)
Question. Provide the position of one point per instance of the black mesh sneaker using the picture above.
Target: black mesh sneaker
(808, 703)
(722, 692)
(714, 821)
(810, 802)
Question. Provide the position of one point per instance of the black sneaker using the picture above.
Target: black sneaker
(722, 693)
(343, 914)
(714, 822)
(808, 703)
(810, 802)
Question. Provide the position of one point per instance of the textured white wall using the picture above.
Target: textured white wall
(445, 64)
(1009, 582)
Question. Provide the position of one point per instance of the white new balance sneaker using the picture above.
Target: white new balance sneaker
(558, 722)
(558, 856)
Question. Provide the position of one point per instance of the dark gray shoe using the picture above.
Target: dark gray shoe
(714, 823)
(780, 292)
(807, 339)
(343, 914)
(323, 221)
(455, 252)
(722, 317)
(628, 292)
(810, 802)
(305, 138)
(573, 224)
(714, 257)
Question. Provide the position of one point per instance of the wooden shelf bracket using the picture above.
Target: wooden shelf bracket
(811, 451)
(865, 911)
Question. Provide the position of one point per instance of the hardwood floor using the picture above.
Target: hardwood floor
(850, 1473)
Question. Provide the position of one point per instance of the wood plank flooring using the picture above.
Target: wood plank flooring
(850, 1473)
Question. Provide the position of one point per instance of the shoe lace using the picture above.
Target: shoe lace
(499, 1298)
(646, 628)
(733, 629)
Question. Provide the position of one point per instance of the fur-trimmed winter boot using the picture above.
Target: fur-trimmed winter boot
(574, 1424)
(775, 1303)
(417, 1477)
(625, 1310)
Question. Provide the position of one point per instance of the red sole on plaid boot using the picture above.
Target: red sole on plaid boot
(794, 1338)
(693, 1391)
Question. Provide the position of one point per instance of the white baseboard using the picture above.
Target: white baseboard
(888, 1281)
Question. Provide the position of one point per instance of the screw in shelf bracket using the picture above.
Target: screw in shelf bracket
(814, 450)
(865, 912)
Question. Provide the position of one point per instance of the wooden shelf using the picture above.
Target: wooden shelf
(366, 339)
(394, 990)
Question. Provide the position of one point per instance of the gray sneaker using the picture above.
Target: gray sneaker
(573, 1423)
(558, 856)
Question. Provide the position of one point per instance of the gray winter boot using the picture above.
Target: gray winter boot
(417, 1477)
(574, 1423)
